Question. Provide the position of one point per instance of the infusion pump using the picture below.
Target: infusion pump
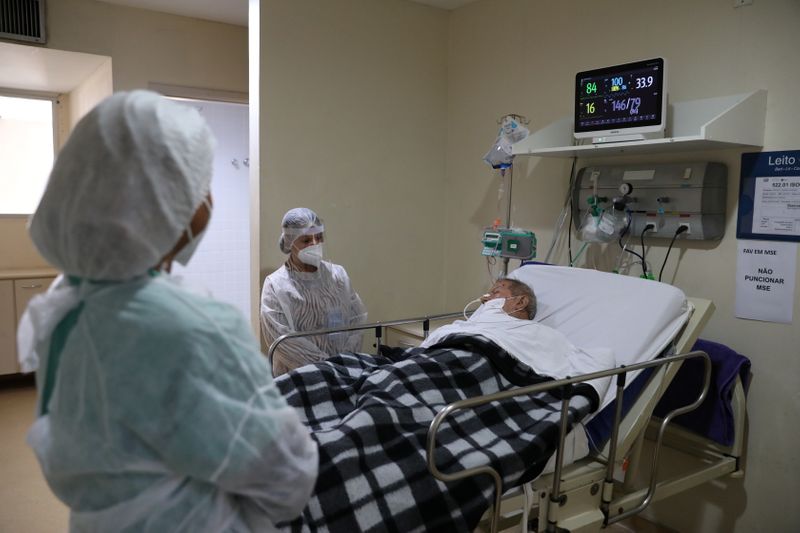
(509, 242)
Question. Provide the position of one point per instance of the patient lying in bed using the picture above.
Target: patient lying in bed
(506, 318)
(370, 416)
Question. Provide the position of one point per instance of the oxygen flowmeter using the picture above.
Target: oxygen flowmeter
(509, 243)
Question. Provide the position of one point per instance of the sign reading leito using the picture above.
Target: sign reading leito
(769, 196)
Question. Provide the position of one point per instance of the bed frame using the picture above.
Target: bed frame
(377, 327)
(586, 496)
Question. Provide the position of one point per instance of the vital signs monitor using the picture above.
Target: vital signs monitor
(621, 103)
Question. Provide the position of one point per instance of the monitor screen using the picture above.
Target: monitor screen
(622, 99)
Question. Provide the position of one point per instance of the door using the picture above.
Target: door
(221, 262)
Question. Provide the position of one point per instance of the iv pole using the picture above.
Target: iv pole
(509, 172)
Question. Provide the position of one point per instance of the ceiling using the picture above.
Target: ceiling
(234, 11)
(230, 11)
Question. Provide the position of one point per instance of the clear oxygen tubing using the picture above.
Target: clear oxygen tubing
(470, 303)
(623, 255)
(624, 246)
(563, 216)
(490, 262)
(575, 260)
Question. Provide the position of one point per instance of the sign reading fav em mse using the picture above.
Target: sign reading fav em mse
(765, 275)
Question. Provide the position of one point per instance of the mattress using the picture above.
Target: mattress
(636, 318)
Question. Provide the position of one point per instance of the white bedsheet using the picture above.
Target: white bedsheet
(546, 350)
(633, 317)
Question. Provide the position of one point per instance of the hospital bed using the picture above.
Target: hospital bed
(640, 320)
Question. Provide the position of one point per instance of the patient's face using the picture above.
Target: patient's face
(502, 289)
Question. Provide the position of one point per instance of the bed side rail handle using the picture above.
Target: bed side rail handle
(657, 449)
(477, 401)
(608, 483)
(377, 326)
(455, 476)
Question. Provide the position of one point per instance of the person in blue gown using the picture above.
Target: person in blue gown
(156, 410)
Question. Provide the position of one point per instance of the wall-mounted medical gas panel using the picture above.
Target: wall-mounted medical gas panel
(664, 195)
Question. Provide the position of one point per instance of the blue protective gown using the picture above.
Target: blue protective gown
(160, 414)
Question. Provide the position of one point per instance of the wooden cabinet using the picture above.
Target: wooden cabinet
(25, 289)
(16, 290)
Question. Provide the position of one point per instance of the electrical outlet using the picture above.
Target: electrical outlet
(688, 228)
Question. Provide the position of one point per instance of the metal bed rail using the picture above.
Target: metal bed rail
(377, 326)
(565, 385)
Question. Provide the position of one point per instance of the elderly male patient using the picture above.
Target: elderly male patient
(371, 416)
(506, 319)
(517, 298)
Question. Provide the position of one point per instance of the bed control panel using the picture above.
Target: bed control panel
(661, 198)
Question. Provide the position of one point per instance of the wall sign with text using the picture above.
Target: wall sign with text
(769, 196)
(765, 278)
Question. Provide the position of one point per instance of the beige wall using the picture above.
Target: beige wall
(353, 114)
(145, 47)
(521, 56)
(376, 114)
(90, 92)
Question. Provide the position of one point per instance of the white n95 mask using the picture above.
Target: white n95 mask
(494, 304)
(491, 307)
(311, 255)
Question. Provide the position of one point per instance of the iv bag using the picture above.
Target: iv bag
(510, 132)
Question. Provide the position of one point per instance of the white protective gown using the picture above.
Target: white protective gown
(306, 301)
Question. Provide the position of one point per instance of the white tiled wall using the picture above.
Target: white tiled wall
(221, 262)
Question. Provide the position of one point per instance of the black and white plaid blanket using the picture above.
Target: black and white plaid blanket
(371, 415)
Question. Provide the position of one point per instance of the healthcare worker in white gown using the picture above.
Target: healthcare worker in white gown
(308, 294)
(156, 410)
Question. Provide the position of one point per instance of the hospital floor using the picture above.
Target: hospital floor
(26, 503)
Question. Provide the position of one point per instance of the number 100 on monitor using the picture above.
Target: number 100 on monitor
(621, 103)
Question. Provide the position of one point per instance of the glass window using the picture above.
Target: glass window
(26, 152)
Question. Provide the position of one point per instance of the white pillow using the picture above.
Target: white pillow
(635, 318)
